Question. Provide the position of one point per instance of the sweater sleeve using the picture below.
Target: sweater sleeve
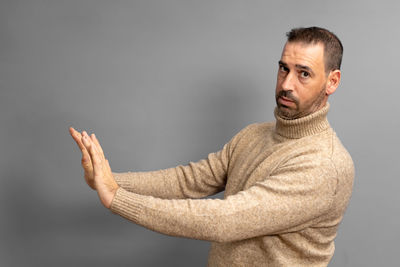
(195, 180)
(291, 199)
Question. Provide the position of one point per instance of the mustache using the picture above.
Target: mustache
(288, 95)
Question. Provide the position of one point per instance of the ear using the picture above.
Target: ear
(333, 81)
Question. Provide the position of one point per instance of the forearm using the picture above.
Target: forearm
(203, 219)
(162, 183)
(236, 218)
(196, 180)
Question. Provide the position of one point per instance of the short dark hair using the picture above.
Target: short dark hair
(333, 48)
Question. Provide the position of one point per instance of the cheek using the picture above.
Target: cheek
(277, 86)
(278, 79)
(309, 96)
(304, 95)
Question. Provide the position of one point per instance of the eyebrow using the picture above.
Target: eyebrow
(281, 63)
(298, 66)
(302, 67)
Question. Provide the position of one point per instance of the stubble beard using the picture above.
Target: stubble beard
(298, 111)
(285, 111)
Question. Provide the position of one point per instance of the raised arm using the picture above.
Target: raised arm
(288, 200)
(195, 180)
(203, 178)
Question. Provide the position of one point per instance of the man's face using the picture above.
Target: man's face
(301, 82)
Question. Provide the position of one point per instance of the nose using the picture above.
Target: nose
(288, 82)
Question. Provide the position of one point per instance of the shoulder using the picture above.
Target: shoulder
(327, 149)
(341, 158)
(322, 150)
(257, 128)
(250, 133)
(255, 131)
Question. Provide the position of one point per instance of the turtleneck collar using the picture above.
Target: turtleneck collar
(311, 124)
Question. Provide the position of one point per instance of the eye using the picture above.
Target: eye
(304, 74)
(283, 68)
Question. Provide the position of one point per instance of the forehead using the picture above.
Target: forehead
(311, 55)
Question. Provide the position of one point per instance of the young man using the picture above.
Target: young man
(287, 183)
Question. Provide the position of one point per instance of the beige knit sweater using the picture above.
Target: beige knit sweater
(287, 185)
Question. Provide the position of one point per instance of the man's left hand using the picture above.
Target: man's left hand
(104, 181)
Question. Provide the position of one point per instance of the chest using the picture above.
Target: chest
(253, 163)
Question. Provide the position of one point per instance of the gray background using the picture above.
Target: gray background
(164, 83)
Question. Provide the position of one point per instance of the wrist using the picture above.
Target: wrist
(112, 194)
(107, 196)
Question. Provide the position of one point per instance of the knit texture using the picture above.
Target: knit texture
(287, 185)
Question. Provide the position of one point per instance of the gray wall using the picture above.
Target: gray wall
(164, 83)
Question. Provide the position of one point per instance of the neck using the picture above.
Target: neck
(307, 125)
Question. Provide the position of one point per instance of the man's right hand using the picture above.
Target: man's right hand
(86, 162)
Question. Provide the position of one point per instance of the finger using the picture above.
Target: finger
(95, 148)
(97, 143)
(96, 160)
(78, 139)
(85, 134)
(87, 144)
(86, 161)
(77, 136)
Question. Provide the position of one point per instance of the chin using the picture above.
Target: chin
(287, 112)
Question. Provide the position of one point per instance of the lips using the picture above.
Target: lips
(285, 101)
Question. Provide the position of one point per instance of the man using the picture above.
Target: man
(287, 183)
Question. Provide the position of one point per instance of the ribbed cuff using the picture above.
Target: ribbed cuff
(124, 179)
(127, 204)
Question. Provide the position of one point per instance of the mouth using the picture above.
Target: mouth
(285, 101)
